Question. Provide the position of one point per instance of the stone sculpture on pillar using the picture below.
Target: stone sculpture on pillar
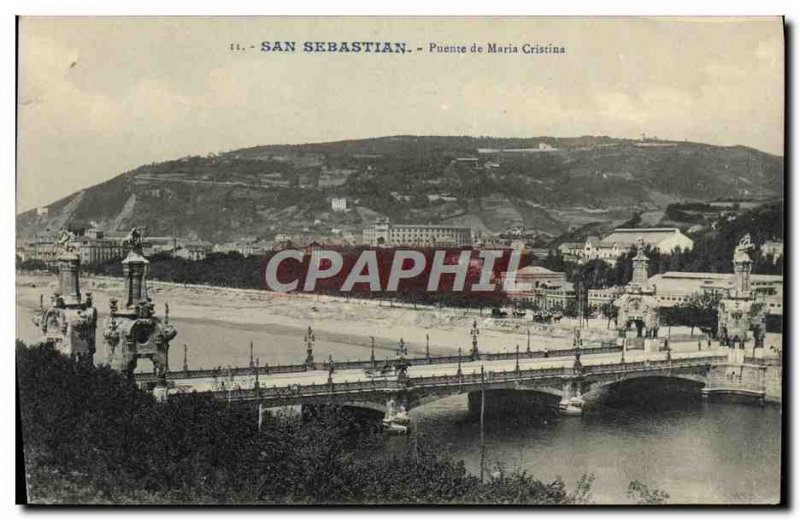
(69, 322)
(741, 314)
(132, 330)
(638, 305)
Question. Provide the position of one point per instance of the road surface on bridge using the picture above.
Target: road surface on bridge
(320, 377)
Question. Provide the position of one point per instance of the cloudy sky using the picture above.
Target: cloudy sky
(99, 96)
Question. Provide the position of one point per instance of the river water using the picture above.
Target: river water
(698, 452)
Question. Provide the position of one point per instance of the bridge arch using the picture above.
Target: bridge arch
(364, 405)
(644, 388)
(697, 379)
(518, 395)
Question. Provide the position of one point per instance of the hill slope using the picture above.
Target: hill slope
(547, 184)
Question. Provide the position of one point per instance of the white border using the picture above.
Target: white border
(321, 7)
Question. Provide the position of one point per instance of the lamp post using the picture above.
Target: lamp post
(310, 339)
(458, 373)
(517, 367)
(475, 331)
(577, 365)
(372, 352)
(428, 346)
(483, 405)
(331, 368)
(185, 363)
(251, 353)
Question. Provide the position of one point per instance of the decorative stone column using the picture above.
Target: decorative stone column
(68, 284)
(68, 323)
(133, 330)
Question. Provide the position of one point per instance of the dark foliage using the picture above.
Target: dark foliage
(91, 436)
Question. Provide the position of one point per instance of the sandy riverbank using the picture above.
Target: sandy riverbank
(218, 323)
(448, 328)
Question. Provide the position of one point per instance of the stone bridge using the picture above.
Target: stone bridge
(558, 380)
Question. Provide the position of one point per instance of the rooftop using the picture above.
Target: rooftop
(429, 226)
(537, 270)
(681, 282)
(628, 236)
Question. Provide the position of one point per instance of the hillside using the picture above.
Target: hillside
(552, 185)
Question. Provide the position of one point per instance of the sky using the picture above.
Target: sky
(100, 96)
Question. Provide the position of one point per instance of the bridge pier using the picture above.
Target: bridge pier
(737, 380)
(572, 402)
(160, 391)
(396, 419)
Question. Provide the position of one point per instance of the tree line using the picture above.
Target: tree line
(90, 435)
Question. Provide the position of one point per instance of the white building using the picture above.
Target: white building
(417, 235)
(663, 240)
(339, 204)
(612, 246)
(676, 287)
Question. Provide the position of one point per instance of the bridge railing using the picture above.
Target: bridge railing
(230, 372)
(297, 392)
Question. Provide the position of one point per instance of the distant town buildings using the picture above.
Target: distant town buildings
(384, 234)
(244, 247)
(612, 246)
(194, 250)
(96, 246)
(550, 290)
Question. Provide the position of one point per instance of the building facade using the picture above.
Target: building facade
(612, 246)
(674, 287)
(416, 235)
